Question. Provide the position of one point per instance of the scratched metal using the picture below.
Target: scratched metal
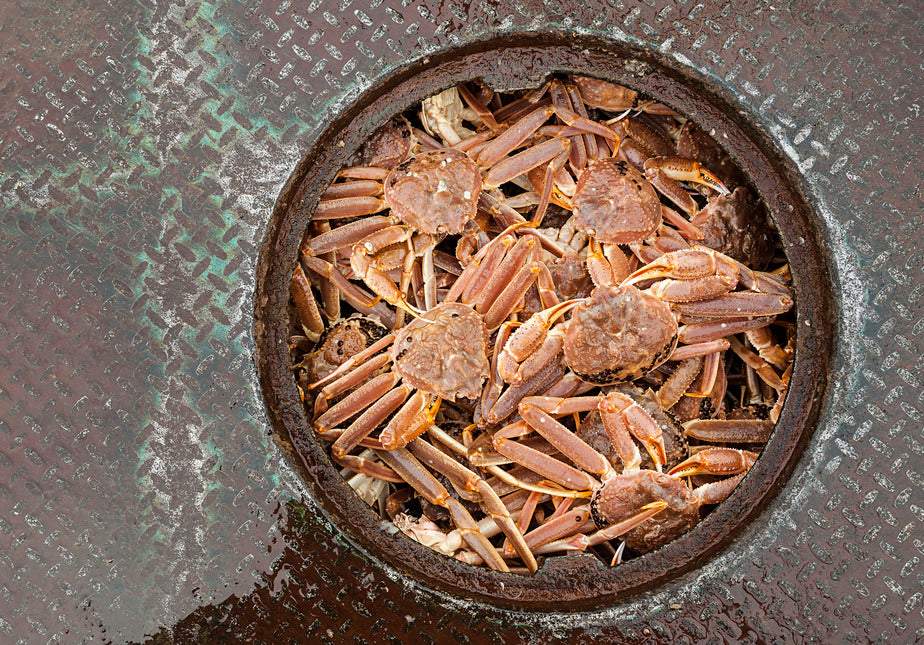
(142, 149)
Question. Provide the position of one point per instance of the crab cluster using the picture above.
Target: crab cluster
(542, 323)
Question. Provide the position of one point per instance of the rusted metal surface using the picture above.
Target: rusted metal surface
(143, 149)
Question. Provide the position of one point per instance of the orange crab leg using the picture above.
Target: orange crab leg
(739, 303)
(369, 420)
(356, 401)
(305, 304)
(715, 461)
(348, 207)
(683, 352)
(539, 462)
(473, 487)
(344, 236)
(680, 169)
(730, 430)
(415, 474)
(347, 381)
(570, 445)
(525, 161)
(720, 328)
(360, 188)
(621, 416)
(582, 542)
(367, 467)
(677, 383)
(411, 421)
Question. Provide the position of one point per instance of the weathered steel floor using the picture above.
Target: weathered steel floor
(143, 147)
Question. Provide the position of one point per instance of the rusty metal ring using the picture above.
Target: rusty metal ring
(519, 62)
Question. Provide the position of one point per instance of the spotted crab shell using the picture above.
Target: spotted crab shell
(444, 352)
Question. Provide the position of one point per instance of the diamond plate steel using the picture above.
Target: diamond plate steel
(142, 149)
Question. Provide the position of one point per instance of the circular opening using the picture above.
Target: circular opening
(522, 62)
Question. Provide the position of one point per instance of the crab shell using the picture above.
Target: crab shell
(435, 192)
(616, 202)
(444, 352)
(620, 497)
(618, 334)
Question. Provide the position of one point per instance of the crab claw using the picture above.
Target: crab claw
(688, 264)
(680, 169)
(581, 542)
(715, 461)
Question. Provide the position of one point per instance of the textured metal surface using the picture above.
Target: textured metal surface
(143, 148)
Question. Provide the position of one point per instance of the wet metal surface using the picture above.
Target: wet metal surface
(142, 151)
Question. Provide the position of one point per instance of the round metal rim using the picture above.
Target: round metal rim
(510, 62)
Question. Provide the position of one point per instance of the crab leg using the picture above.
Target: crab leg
(495, 384)
(730, 430)
(710, 373)
(622, 416)
(688, 264)
(344, 236)
(363, 172)
(361, 357)
(563, 526)
(520, 131)
(763, 369)
(527, 341)
(350, 292)
(414, 473)
(437, 433)
(306, 305)
(507, 402)
(539, 462)
(715, 461)
(367, 467)
(525, 161)
(369, 421)
(330, 294)
(473, 487)
(581, 542)
(359, 188)
(717, 492)
(570, 445)
(356, 401)
(348, 207)
(504, 273)
(766, 346)
(720, 328)
(683, 352)
(411, 421)
(506, 302)
(577, 103)
(480, 269)
(680, 169)
(478, 107)
(677, 383)
(347, 382)
(738, 303)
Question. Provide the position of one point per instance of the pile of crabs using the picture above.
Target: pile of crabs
(542, 323)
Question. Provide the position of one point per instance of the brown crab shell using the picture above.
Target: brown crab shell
(444, 352)
(342, 340)
(622, 496)
(616, 202)
(737, 226)
(605, 95)
(618, 334)
(435, 192)
(388, 146)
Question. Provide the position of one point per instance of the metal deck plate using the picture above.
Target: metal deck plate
(142, 149)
